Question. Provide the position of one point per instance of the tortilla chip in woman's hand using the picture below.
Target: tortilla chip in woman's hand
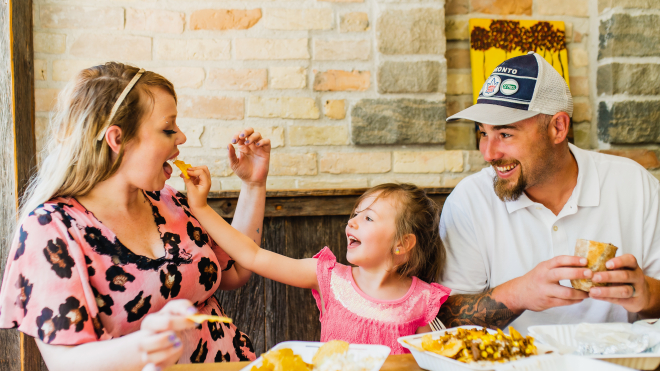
(201, 318)
(183, 167)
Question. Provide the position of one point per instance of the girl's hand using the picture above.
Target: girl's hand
(198, 186)
(250, 159)
(162, 347)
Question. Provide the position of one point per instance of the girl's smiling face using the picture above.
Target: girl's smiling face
(371, 232)
(145, 158)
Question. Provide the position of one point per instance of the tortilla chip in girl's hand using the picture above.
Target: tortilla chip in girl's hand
(201, 318)
(183, 167)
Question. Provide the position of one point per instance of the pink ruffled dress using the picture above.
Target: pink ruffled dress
(349, 314)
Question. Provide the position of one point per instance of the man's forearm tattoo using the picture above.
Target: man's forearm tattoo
(479, 309)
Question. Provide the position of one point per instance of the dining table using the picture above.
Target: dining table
(398, 362)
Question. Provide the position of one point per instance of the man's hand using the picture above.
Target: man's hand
(539, 289)
(630, 288)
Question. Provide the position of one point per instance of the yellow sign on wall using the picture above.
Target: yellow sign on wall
(493, 41)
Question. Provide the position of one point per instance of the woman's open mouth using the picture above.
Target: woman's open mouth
(353, 242)
(167, 169)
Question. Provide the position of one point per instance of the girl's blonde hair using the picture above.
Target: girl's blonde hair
(74, 161)
(419, 215)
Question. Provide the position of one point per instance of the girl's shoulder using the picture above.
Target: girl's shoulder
(435, 289)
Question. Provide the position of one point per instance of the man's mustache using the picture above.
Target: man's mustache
(504, 162)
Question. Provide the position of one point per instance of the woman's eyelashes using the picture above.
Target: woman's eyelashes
(170, 132)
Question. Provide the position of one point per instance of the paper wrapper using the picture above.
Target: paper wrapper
(597, 254)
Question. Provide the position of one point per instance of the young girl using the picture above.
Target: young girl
(393, 239)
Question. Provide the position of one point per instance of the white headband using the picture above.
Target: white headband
(121, 98)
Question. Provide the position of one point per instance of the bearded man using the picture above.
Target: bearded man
(511, 229)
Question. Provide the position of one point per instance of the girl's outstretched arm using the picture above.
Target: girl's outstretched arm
(294, 272)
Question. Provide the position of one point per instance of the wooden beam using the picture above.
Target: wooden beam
(17, 154)
(306, 202)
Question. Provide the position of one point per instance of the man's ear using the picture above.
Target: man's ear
(406, 244)
(114, 138)
(559, 127)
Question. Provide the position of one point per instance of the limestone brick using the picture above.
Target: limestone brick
(455, 7)
(45, 99)
(644, 157)
(354, 22)
(293, 164)
(284, 107)
(428, 161)
(224, 19)
(322, 183)
(457, 29)
(355, 162)
(192, 49)
(578, 8)
(458, 58)
(337, 80)
(578, 57)
(411, 77)
(219, 166)
(460, 136)
(298, 19)
(58, 16)
(579, 86)
(582, 134)
(66, 69)
(271, 49)
(211, 107)
(334, 135)
(288, 77)
(459, 83)
(40, 69)
(182, 77)
(626, 35)
(280, 183)
(581, 110)
(335, 109)
(414, 31)
(222, 135)
(629, 122)
(629, 78)
(154, 20)
(451, 181)
(604, 5)
(502, 7)
(51, 43)
(341, 50)
(193, 134)
(398, 121)
(241, 79)
(476, 161)
(112, 47)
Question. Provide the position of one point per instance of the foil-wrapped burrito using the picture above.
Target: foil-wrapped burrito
(597, 254)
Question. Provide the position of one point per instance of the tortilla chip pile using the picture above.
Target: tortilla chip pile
(478, 345)
(285, 360)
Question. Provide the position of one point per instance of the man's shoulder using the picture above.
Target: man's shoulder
(614, 168)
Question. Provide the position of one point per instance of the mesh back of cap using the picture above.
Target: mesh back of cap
(552, 94)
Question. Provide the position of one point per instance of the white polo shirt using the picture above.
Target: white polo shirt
(490, 242)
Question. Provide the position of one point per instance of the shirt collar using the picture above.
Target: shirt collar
(587, 188)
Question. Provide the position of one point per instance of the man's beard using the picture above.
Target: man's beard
(506, 189)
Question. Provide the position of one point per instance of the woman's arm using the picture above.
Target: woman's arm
(251, 166)
(294, 272)
(157, 344)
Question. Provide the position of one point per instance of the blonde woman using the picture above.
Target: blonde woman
(107, 260)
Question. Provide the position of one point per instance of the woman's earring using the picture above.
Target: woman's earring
(397, 251)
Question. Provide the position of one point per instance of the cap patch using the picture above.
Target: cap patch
(491, 86)
(509, 86)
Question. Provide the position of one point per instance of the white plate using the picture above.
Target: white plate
(436, 362)
(564, 334)
(307, 350)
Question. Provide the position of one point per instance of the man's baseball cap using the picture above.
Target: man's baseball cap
(520, 88)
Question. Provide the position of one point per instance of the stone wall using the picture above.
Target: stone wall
(352, 93)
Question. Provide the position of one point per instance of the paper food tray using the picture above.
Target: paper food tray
(436, 362)
(564, 334)
(556, 362)
(307, 350)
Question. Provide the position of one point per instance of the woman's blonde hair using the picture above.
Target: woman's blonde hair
(74, 161)
(419, 215)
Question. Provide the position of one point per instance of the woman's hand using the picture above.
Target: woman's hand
(162, 347)
(198, 186)
(250, 159)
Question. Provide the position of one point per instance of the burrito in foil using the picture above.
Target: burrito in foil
(597, 254)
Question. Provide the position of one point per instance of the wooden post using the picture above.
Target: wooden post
(17, 153)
